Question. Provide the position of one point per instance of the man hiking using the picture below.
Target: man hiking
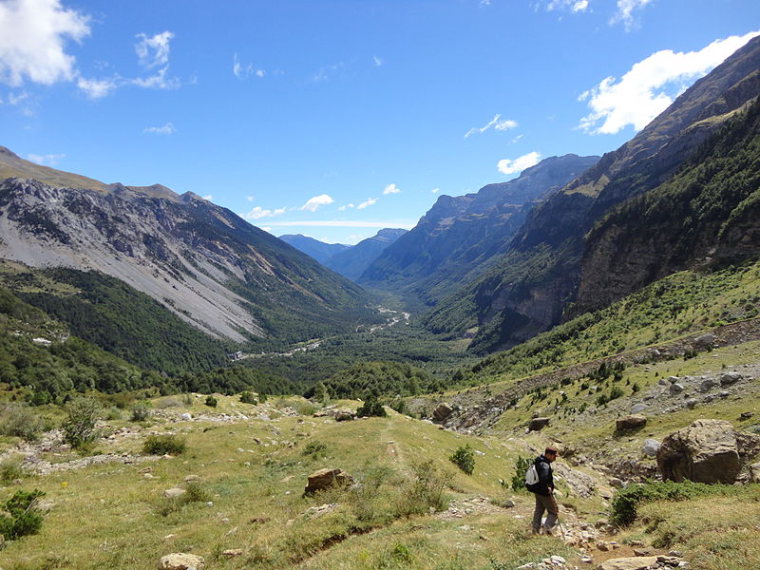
(544, 491)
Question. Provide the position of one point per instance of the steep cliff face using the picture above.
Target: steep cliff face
(460, 236)
(703, 216)
(203, 262)
(561, 223)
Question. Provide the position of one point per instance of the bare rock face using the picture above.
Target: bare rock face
(705, 452)
(325, 479)
(179, 561)
(633, 421)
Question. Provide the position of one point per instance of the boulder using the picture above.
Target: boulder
(174, 493)
(636, 563)
(707, 385)
(634, 421)
(178, 561)
(675, 388)
(754, 472)
(326, 479)
(537, 424)
(729, 378)
(651, 446)
(442, 412)
(638, 408)
(705, 452)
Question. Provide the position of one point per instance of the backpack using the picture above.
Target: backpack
(531, 476)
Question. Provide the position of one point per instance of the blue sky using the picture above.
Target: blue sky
(337, 118)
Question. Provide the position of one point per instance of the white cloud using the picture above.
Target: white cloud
(208, 197)
(313, 204)
(167, 129)
(392, 189)
(367, 203)
(435, 190)
(495, 123)
(242, 71)
(509, 166)
(624, 14)
(258, 212)
(328, 71)
(574, 6)
(97, 88)
(153, 52)
(46, 159)
(346, 207)
(33, 34)
(651, 85)
(250, 198)
(378, 61)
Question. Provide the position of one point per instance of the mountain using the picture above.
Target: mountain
(205, 264)
(319, 250)
(529, 289)
(353, 261)
(459, 237)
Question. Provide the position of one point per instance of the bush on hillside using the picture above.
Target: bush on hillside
(140, 413)
(24, 517)
(211, 402)
(248, 398)
(371, 407)
(79, 426)
(464, 458)
(19, 421)
(626, 500)
(518, 479)
(168, 444)
(426, 491)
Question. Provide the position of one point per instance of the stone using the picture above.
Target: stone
(669, 560)
(704, 452)
(729, 378)
(192, 478)
(754, 472)
(537, 424)
(616, 483)
(676, 388)
(707, 385)
(186, 416)
(179, 561)
(638, 408)
(651, 446)
(636, 563)
(325, 479)
(673, 379)
(174, 492)
(442, 412)
(344, 415)
(691, 403)
(232, 552)
(746, 415)
(631, 422)
(705, 340)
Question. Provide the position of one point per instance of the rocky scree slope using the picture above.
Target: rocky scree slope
(210, 267)
(527, 290)
(459, 236)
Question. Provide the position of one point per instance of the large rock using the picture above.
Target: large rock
(637, 563)
(704, 452)
(442, 412)
(179, 561)
(537, 424)
(634, 421)
(326, 479)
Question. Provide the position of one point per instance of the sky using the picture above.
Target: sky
(336, 118)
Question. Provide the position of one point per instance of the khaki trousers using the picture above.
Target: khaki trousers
(548, 504)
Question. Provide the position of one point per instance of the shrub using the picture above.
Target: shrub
(10, 469)
(24, 517)
(371, 407)
(518, 479)
(194, 493)
(211, 402)
(19, 420)
(426, 491)
(315, 449)
(248, 398)
(140, 413)
(464, 458)
(626, 500)
(168, 444)
(79, 425)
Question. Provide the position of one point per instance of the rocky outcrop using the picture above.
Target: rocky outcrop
(180, 561)
(634, 421)
(705, 452)
(442, 412)
(326, 479)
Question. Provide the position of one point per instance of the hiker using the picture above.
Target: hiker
(544, 491)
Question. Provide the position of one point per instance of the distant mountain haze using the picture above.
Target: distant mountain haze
(319, 250)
